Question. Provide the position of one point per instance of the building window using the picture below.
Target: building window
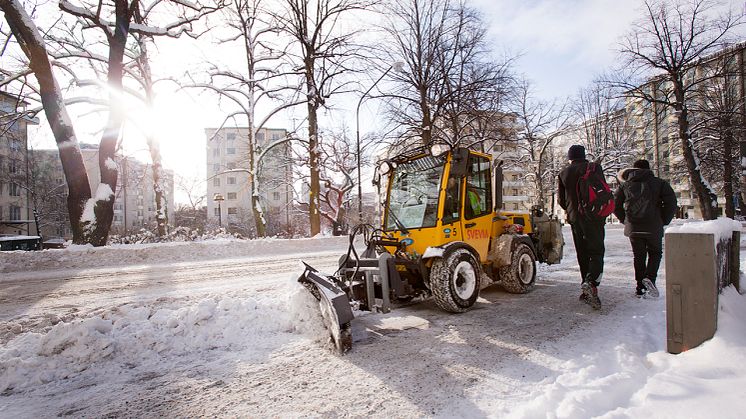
(231, 195)
(15, 213)
(15, 144)
(275, 136)
(260, 136)
(231, 150)
(232, 210)
(12, 166)
(15, 190)
(515, 206)
(276, 196)
(231, 166)
(231, 136)
(1, 190)
(216, 211)
(216, 167)
(231, 181)
(216, 181)
(515, 192)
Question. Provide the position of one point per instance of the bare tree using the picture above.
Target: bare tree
(116, 24)
(604, 127)
(666, 43)
(322, 51)
(337, 166)
(34, 48)
(716, 114)
(264, 79)
(449, 82)
(541, 123)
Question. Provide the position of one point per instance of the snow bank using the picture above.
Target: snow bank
(637, 379)
(78, 257)
(722, 228)
(140, 335)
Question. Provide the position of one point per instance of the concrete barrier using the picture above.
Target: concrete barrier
(702, 258)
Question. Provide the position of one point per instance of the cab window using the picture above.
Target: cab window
(478, 199)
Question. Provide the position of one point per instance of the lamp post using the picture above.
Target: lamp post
(398, 67)
(219, 198)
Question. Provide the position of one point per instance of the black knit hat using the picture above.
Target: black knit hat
(576, 152)
(641, 164)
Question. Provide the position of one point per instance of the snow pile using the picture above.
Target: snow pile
(140, 335)
(637, 379)
(722, 228)
(86, 256)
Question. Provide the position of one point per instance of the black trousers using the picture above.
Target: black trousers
(647, 252)
(588, 237)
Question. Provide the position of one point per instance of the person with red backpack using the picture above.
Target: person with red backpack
(645, 204)
(586, 197)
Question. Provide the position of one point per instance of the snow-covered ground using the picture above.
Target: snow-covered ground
(221, 329)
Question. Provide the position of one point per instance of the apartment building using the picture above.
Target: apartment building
(16, 211)
(656, 130)
(134, 203)
(228, 177)
(518, 191)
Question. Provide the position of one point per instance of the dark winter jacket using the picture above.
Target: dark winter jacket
(568, 182)
(664, 200)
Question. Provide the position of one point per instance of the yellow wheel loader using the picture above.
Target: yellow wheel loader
(443, 236)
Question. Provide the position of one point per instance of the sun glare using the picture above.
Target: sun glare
(176, 123)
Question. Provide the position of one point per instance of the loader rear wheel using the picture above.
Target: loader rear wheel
(520, 276)
(454, 281)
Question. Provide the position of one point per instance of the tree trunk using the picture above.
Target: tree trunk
(426, 127)
(706, 197)
(730, 210)
(742, 119)
(161, 205)
(30, 40)
(104, 199)
(313, 162)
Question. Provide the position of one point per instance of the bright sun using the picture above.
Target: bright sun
(177, 123)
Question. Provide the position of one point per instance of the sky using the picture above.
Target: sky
(561, 46)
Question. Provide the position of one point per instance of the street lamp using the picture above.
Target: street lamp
(398, 66)
(219, 198)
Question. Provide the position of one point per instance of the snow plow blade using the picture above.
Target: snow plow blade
(334, 304)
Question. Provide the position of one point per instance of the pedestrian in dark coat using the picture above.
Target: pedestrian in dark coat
(587, 234)
(645, 204)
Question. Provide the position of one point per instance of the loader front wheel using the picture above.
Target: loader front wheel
(454, 280)
(520, 276)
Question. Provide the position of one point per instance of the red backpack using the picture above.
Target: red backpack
(595, 199)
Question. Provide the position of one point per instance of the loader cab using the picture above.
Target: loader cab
(432, 200)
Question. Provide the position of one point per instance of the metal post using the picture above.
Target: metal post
(219, 198)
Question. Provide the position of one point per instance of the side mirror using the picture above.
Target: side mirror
(497, 186)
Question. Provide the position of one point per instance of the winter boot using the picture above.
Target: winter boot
(652, 291)
(590, 292)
